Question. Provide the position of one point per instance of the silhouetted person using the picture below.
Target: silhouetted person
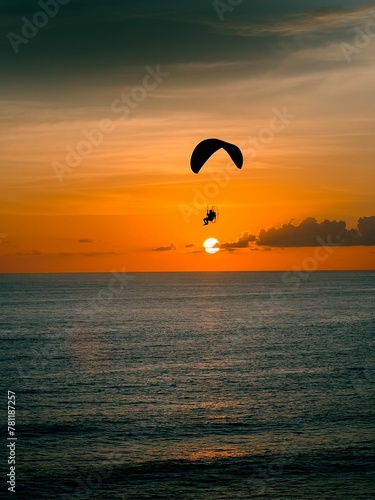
(211, 216)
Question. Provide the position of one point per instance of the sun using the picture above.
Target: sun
(209, 245)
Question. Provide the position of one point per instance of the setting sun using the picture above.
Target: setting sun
(210, 247)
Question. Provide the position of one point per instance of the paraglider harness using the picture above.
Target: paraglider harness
(210, 217)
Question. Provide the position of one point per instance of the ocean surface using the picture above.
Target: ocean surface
(196, 386)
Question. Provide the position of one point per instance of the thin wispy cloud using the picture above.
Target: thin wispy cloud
(168, 248)
(302, 23)
(37, 253)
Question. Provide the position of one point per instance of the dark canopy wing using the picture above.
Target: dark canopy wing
(208, 147)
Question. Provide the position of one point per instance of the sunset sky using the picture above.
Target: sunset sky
(290, 82)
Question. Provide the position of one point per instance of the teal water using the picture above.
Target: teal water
(200, 386)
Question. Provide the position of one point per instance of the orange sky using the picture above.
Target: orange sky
(128, 196)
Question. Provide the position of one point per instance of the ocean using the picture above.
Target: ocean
(190, 386)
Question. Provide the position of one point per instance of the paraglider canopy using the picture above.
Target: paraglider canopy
(208, 147)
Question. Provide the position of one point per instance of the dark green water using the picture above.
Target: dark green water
(201, 386)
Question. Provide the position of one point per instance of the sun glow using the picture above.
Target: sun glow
(210, 247)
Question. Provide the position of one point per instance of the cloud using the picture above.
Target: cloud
(190, 245)
(366, 231)
(264, 249)
(165, 249)
(310, 233)
(34, 253)
(323, 20)
(242, 242)
(84, 254)
(85, 240)
(304, 235)
(37, 253)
